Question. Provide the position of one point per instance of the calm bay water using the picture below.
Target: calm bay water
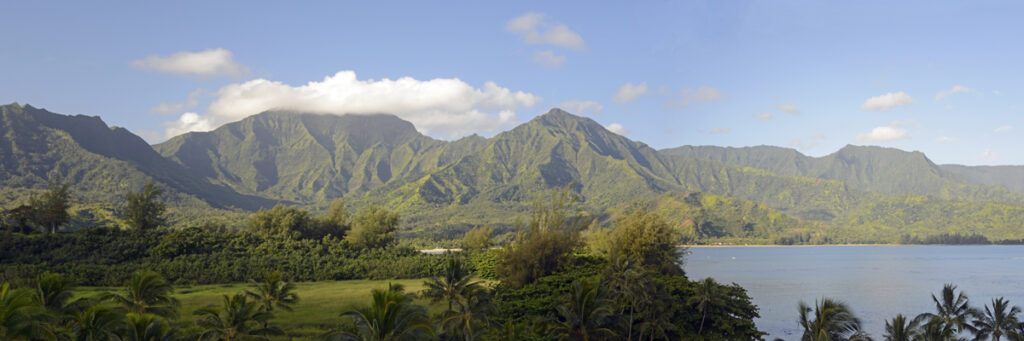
(877, 282)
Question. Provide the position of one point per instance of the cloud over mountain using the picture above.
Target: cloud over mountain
(446, 107)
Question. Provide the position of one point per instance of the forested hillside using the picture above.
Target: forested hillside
(759, 194)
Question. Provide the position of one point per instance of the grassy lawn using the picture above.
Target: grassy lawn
(319, 307)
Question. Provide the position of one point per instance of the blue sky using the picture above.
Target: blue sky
(939, 77)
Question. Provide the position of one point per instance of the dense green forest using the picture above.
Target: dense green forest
(551, 281)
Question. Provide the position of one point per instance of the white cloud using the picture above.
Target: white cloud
(1004, 128)
(997, 92)
(535, 28)
(789, 109)
(945, 139)
(947, 93)
(628, 92)
(706, 94)
(582, 107)
(446, 107)
(174, 108)
(187, 122)
(213, 62)
(720, 130)
(820, 137)
(617, 128)
(887, 101)
(988, 155)
(764, 117)
(548, 59)
(883, 134)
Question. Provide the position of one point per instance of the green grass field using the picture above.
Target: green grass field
(319, 308)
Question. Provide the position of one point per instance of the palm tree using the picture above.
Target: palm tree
(240, 319)
(953, 310)
(933, 329)
(900, 329)
(705, 298)
(274, 292)
(657, 321)
(53, 291)
(391, 317)
(98, 322)
(148, 327)
(629, 286)
(20, 316)
(473, 315)
(146, 292)
(828, 320)
(452, 285)
(1000, 320)
(581, 313)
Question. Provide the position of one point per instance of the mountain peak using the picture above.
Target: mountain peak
(559, 118)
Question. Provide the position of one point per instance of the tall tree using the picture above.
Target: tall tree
(901, 329)
(707, 297)
(953, 309)
(238, 319)
(999, 319)
(391, 317)
(828, 320)
(281, 220)
(273, 292)
(645, 238)
(98, 322)
(335, 222)
(53, 292)
(477, 239)
(453, 284)
(374, 227)
(145, 210)
(51, 208)
(20, 315)
(657, 315)
(146, 292)
(546, 242)
(629, 286)
(582, 313)
(473, 316)
(146, 327)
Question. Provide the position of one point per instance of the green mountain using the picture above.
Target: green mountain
(873, 169)
(1011, 177)
(101, 162)
(761, 194)
(306, 158)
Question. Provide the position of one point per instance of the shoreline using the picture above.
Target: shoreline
(819, 245)
(780, 245)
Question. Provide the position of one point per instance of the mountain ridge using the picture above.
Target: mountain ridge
(856, 193)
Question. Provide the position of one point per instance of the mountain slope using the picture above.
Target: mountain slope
(1011, 177)
(874, 169)
(551, 151)
(101, 162)
(308, 157)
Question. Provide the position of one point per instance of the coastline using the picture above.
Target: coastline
(779, 245)
(818, 245)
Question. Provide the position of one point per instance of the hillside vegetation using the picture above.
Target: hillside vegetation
(441, 189)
